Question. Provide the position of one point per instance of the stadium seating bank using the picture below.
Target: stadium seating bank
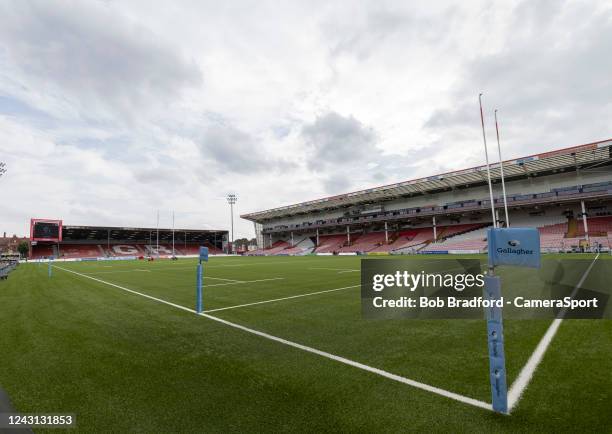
(116, 243)
(566, 193)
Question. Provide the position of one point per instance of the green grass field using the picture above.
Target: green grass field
(127, 363)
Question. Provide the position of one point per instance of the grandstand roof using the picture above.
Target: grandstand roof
(97, 233)
(553, 161)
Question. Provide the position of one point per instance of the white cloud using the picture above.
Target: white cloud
(112, 110)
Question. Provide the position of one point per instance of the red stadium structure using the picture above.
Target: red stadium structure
(45, 230)
(566, 194)
(93, 242)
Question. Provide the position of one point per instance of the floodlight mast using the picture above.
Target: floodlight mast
(2, 168)
(501, 168)
(484, 139)
(232, 199)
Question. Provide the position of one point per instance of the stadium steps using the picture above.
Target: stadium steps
(330, 243)
(453, 231)
(572, 228)
(472, 238)
(412, 239)
(365, 243)
(302, 247)
(392, 237)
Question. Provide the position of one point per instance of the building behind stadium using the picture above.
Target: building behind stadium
(566, 194)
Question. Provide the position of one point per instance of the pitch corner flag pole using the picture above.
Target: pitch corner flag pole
(484, 139)
(501, 169)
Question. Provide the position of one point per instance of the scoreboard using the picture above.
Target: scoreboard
(45, 230)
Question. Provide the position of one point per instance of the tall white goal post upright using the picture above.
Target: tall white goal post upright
(498, 240)
(484, 139)
(495, 325)
(501, 171)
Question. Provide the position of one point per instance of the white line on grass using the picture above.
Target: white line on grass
(341, 270)
(264, 280)
(205, 285)
(408, 381)
(178, 306)
(238, 282)
(280, 299)
(219, 278)
(119, 271)
(526, 374)
(232, 281)
(230, 265)
(398, 378)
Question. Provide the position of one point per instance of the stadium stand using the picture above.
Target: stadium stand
(81, 251)
(548, 191)
(330, 243)
(364, 243)
(41, 251)
(78, 242)
(120, 250)
(598, 226)
(276, 248)
(470, 240)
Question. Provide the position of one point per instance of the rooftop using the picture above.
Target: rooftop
(553, 161)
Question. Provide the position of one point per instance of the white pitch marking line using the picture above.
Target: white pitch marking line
(264, 280)
(398, 378)
(148, 271)
(220, 284)
(178, 306)
(280, 299)
(526, 374)
(339, 270)
(220, 278)
(119, 271)
(408, 381)
(236, 282)
(233, 265)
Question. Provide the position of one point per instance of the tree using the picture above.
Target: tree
(23, 248)
(240, 242)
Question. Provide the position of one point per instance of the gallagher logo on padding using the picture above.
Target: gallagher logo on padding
(514, 243)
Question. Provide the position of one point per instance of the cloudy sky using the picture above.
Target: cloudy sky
(111, 110)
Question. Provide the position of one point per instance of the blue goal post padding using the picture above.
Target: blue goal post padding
(204, 254)
(514, 246)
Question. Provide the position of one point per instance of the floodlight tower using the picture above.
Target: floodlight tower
(2, 168)
(232, 199)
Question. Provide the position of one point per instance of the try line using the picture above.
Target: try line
(526, 374)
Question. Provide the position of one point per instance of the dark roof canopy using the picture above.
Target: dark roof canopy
(588, 155)
(104, 233)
